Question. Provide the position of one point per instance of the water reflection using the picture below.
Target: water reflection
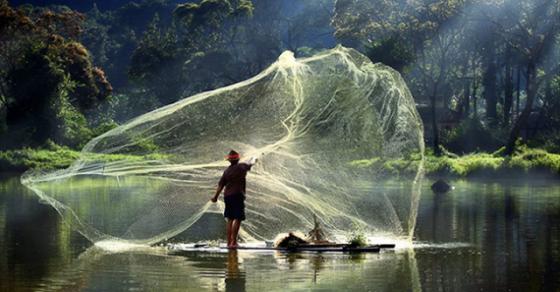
(235, 279)
(153, 269)
(481, 236)
(512, 226)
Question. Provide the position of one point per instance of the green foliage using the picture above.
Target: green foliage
(52, 156)
(104, 127)
(245, 8)
(144, 145)
(206, 45)
(208, 13)
(33, 83)
(365, 162)
(49, 81)
(447, 50)
(356, 21)
(549, 137)
(528, 159)
(470, 52)
(472, 135)
(156, 64)
(72, 129)
(525, 159)
(549, 140)
(472, 163)
(392, 51)
(357, 238)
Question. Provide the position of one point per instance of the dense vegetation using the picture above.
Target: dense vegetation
(493, 62)
(485, 74)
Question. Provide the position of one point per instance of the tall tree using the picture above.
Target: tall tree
(414, 23)
(530, 27)
(48, 78)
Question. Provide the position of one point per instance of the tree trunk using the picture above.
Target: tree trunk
(489, 84)
(467, 100)
(508, 88)
(474, 89)
(523, 118)
(518, 90)
(465, 104)
(435, 130)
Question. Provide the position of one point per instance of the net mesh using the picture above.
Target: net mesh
(307, 120)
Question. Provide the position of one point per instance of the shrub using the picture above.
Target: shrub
(471, 135)
(357, 238)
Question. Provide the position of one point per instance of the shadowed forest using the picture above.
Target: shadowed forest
(485, 74)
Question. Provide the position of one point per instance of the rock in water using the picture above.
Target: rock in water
(311, 122)
(440, 186)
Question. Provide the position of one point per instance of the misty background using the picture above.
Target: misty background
(483, 73)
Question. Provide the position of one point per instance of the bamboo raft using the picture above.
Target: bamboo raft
(345, 248)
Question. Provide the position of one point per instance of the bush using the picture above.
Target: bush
(72, 127)
(104, 127)
(392, 51)
(51, 157)
(525, 159)
(357, 238)
(548, 140)
(472, 135)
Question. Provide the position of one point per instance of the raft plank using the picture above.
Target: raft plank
(307, 247)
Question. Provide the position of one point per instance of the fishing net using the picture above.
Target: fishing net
(325, 129)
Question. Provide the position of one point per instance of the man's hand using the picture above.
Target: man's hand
(214, 199)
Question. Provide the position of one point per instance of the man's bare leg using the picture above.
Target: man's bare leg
(235, 231)
(229, 229)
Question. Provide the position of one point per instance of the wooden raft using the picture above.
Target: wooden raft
(300, 248)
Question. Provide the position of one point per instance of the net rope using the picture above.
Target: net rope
(308, 121)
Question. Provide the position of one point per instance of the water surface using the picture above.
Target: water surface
(483, 235)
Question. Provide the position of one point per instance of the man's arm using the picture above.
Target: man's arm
(250, 162)
(214, 199)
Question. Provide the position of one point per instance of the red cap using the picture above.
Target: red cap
(232, 155)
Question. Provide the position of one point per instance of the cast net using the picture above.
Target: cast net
(324, 128)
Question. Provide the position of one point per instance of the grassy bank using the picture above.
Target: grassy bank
(49, 158)
(482, 164)
(57, 157)
(525, 160)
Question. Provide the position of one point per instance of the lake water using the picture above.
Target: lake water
(489, 236)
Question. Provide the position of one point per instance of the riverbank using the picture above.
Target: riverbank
(524, 161)
(49, 158)
(54, 157)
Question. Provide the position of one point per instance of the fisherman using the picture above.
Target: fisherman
(233, 180)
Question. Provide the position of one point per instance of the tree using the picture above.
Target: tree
(156, 64)
(393, 51)
(47, 77)
(211, 23)
(360, 22)
(532, 29)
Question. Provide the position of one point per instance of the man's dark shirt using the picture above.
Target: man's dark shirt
(234, 179)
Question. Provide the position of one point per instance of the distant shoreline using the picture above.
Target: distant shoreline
(526, 162)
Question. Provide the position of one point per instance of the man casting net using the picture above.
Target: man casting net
(311, 122)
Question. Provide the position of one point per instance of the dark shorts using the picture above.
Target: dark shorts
(235, 206)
